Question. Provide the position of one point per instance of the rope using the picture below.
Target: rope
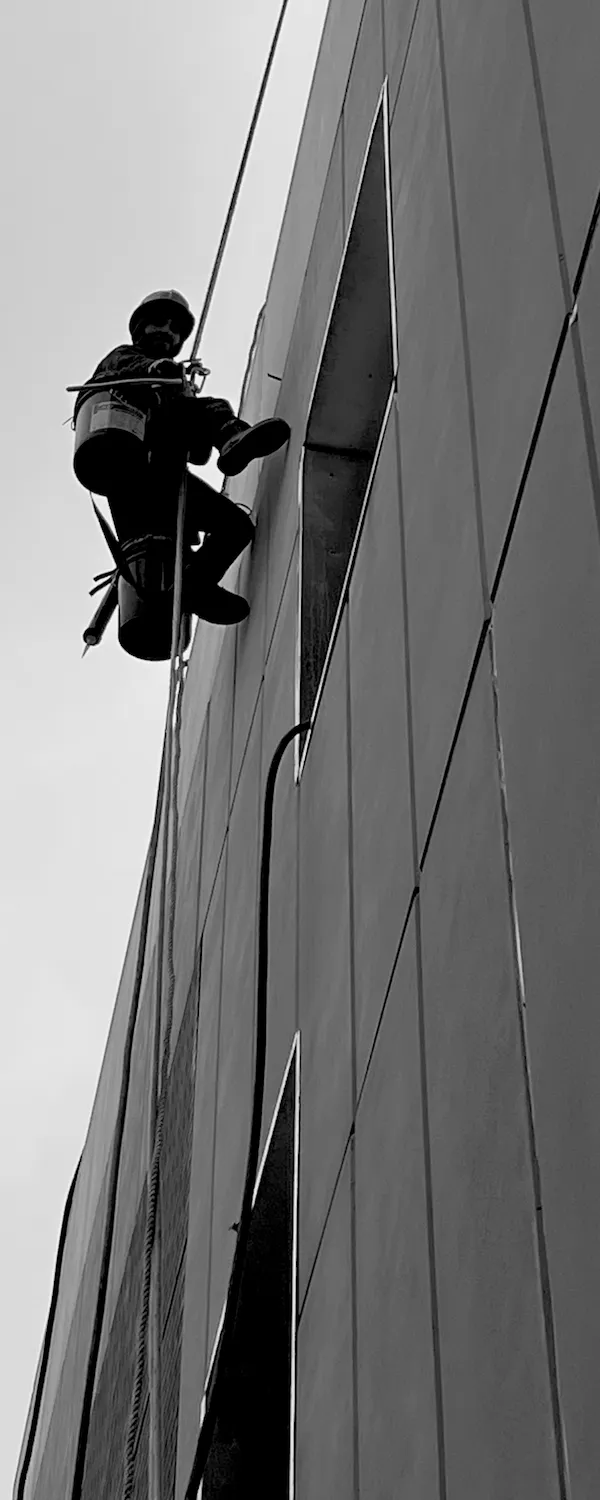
(238, 184)
(207, 1430)
(113, 1181)
(83, 1434)
(150, 1298)
(164, 786)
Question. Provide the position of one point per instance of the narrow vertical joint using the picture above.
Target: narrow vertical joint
(197, 936)
(547, 155)
(353, 1065)
(354, 1284)
(407, 671)
(588, 424)
(343, 168)
(435, 1322)
(211, 1203)
(542, 1248)
(351, 927)
(462, 301)
(297, 933)
(257, 881)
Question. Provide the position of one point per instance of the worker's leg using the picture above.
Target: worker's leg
(228, 530)
(213, 422)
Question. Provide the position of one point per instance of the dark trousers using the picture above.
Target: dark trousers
(147, 503)
(192, 425)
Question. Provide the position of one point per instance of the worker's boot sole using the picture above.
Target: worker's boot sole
(217, 605)
(255, 442)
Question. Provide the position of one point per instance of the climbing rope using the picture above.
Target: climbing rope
(164, 799)
(202, 320)
(115, 1161)
(166, 788)
(148, 1331)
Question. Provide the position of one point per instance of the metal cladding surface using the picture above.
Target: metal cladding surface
(434, 929)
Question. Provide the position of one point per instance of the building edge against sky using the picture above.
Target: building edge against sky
(427, 569)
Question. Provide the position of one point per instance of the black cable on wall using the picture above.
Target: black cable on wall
(207, 1430)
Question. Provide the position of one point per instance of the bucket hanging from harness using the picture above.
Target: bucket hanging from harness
(146, 599)
(109, 442)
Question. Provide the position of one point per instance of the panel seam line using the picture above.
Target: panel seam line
(540, 1228)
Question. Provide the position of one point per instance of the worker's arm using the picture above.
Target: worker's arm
(126, 361)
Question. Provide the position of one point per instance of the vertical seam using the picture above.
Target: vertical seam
(201, 846)
(536, 1177)
(353, 1065)
(297, 933)
(588, 425)
(462, 300)
(343, 167)
(407, 666)
(350, 815)
(353, 1069)
(354, 1311)
(394, 102)
(433, 1288)
(214, 1132)
(259, 796)
(547, 155)
(568, 293)
(218, 1042)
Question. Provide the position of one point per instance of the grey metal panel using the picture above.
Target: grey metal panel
(383, 863)
(218, 771)
(324, 960)
(496, 1389)
(325, 1418)
(278, 716)
(251, 644)
(548, 647)
(236, 1035)
(567, 45)
(188, 886)
(589, 332)
(195, 1315)
(396, 1414)
(445, 596)
(364, 87)
(513, 296)
(398, 20)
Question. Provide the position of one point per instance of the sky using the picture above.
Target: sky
(121, 129)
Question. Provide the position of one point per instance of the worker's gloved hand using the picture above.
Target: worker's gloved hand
(165, 369)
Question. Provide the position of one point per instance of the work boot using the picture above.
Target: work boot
(252, 442)
(211, 602)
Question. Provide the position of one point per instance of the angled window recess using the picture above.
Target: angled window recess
(252, 1452)
(349, 404)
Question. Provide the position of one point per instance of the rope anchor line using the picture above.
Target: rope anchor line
(166, 803)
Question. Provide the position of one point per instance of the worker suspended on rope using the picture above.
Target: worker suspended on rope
(159, 427)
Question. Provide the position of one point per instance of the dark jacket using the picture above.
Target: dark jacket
(127, 360)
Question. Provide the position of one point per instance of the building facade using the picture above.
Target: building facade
(425, 588)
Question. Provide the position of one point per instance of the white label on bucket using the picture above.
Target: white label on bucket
(123, 418)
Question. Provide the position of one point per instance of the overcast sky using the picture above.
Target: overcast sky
(121, 128)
